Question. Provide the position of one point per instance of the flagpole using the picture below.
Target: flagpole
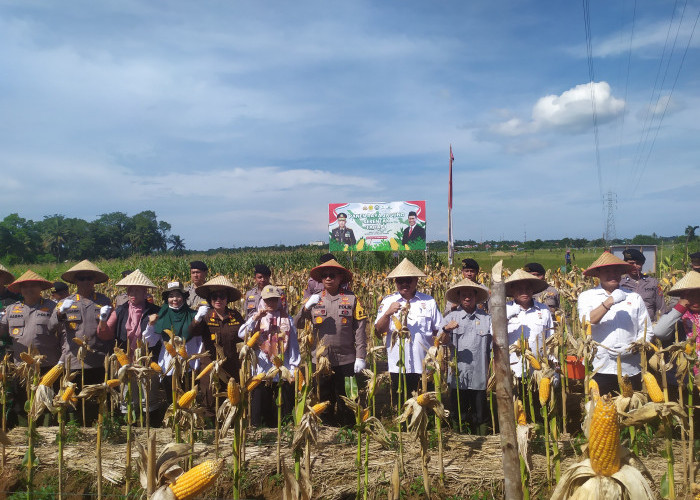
(450, 241)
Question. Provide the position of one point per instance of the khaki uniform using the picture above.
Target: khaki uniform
(251, 300)
(29, 326)
(194, 300)
(549, 297)
(81, 320)
(650, 291)
(342, 323)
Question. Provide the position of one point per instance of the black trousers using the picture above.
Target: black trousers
(413, 383)
(263, 404)
(473, 406)
(330, 388)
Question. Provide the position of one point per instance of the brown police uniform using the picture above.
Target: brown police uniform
(549, 297)
(194, 300)
(650, 291)
(29, 326)
(342, 323)
(251, 300)
(81, 320)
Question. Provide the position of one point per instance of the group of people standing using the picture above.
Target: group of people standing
(205, 315)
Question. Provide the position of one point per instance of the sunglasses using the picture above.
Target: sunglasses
(328, 275)
(84, 278)
(219, 296)
(403, 281)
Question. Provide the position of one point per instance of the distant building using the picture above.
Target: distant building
(317, 243)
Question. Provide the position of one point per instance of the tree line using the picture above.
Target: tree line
(57, 238)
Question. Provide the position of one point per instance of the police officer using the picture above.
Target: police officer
(6, 298)
(341, 323)
(695, 261)
(646, 286)
(549, 296)
(26, 323)
(78, 316)
(59, 291)
(262, 275)
(198, 275)
(341, 234)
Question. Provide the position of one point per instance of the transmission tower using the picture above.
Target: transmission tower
(610, 222)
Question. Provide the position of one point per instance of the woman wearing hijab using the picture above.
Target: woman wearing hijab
(278, 337)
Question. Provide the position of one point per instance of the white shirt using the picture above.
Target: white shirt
(621, 325)
(193, 346)
(535, 325)
(423, 320)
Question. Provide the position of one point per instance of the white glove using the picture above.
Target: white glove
(512, 310)
(359, 365)
(65, 305)
(105, 311)
(201, 313)
(313, 300)
(618, 295)
(618, 348)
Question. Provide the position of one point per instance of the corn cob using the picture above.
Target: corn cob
(113, 383)
(534, 363)
(182, 351)
(406, 247)
(345, 248)
(233, 392)
(26, 358)
(253, 339)
(319, 408)
(187, 398)
(688, 348)
(593, 389)
(604, 440)
(171, 349)
(394, 244)
(653, 388)
(52, 375)
(196, 481)
(122, 358)
(544, 390)
(360, 244)
(68, 393)
(422, 399)
(522, 417)
(589, 330)
(254, 382)
(206, 370)
(156, 367)
(654, 347)
(300, 380)
(365, 414)
(626, 386)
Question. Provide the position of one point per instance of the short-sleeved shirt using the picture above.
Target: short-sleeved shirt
(650, 291)
(624, 323)
(222, 332)
(472, 341)
(423, 321)
(29, 326)
(81, 320)
(535, 325)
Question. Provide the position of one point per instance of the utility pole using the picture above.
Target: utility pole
(611, 206)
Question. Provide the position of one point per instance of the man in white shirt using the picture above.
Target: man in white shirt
(617, 320)
(423, 321)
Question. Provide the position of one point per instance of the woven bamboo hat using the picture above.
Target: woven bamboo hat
(606, 260)
(84, 267)
(330, 266)
(690, 281)
(219, 283)
(482, 293)
(520, 276)
(29, 277)
(406, 269)
(5, 276)
(136, 278)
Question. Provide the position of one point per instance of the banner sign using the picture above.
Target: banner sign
(377, 227)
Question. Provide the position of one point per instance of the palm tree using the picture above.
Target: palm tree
(689, 236)
(177, 244)
(54, 237)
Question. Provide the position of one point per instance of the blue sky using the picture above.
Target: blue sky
(238, 122)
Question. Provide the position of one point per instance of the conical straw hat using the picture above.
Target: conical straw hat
(332, 264)
(520, 276)
(690, 281)
(84, 267)
(605, 260)
(406, 269)
(5, 276)
(219, 283)
(29, 277)
(482, 293)
(136, 278)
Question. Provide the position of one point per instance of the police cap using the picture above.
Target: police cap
(635, 255)
(262, 269)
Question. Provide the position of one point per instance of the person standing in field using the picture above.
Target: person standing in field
(26, 326)
(122, 298)
(617, 319)
(423, 321)
(314, 287)
(59, 291)
(261, 275)
(198, 275)
(548, 296)
(6, 298)
(77, 318)
(646, 286)
(278, 339)
(340, 323)
(527, 318)
(469, 329)
(470, 271)
(685, 315)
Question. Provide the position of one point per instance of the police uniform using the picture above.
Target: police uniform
(194, 300)
(650, 291)
(28, 326)
(343, 236)
(550, 298)
(251, 300)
